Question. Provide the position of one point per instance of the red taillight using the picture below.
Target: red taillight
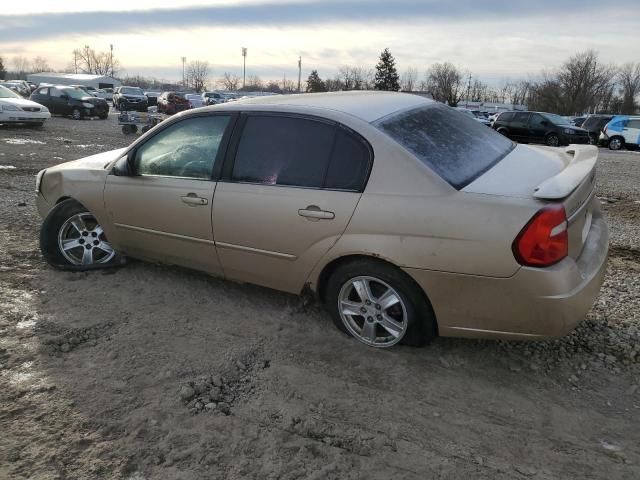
(544, 240)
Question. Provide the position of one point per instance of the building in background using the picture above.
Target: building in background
(84, 79)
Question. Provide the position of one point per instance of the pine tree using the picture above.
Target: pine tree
(315, 83)
(386, 74)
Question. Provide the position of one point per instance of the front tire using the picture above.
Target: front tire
(379, 305)
(76, 114)
(72, 238)
(553, 140)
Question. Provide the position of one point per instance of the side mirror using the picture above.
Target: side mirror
(124, 166)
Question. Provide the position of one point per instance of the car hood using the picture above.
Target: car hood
(21, 102)
(93, 162)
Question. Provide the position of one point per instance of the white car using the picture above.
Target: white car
(195, 100)
(621, 131)
(477, 118)
(15, 109)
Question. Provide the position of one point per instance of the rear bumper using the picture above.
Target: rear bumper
(533, 304)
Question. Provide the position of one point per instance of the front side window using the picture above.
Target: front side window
(537, 121)
(185, 149)
(55, 92)
(301, 152)
(455, 146)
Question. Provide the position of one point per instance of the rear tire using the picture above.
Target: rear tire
(616, 143)
(76, 114)
(408, 320)
(68, 232)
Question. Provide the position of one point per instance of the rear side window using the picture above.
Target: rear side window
(505, 117)
(455, 146)
(520, 119)
(633, 124)
(293, 151)
(43, 91)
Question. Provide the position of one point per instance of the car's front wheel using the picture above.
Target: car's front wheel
(76, 114)
(71, 237)
(553, 140)
(616, 143)
(379, 305)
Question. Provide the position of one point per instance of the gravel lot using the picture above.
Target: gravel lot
(150, 372)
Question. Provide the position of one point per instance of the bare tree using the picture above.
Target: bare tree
(229, 81)
(198, 75)
(355, 77)
(444, 83)
(253, 84)
(409, 79)
(629, 80)
(21, 64)
(87, 60)
(39, 65)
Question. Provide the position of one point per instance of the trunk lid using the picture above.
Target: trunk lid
(549, 175)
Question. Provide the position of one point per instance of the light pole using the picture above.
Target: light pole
(184, 85)
(244, 66)
(111, 58)
(468, 91)
(299, 72)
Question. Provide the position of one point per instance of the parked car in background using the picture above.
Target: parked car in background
(108, 94)
(65, 100)
(152, 98)
(172, 102)
(130, 98)
(22, 87)
(407, 218)
(195, 100)
(13, 87)
(622, 131)
(477, 118)
(594, 125)
(213, 98)
(539, 127)
(15, 109)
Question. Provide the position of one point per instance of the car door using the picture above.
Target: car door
(289, 187)
(162, 211)
(519, 126)
(41, 96)
(538, 127)
(631, 132)
(59, 101)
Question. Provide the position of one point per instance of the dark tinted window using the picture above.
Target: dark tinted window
(596, 122)
(185, 149)
(520, 119)
(349, 164)
(277, 150)
(538, 121)
(633, 124)
(454, 145)
(505, 117)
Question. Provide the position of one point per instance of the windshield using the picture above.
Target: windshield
(75, 93)
(6, 93)
(454, 145)
(131, 91)
(556, 119)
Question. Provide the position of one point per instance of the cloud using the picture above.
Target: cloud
(48, 25)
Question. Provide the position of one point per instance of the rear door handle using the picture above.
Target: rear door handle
(194, 200)
(313, 212)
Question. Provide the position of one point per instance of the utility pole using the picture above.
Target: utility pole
(299, 72)
(468, 91)
(184, 83)
(244, 66)
(111, 58)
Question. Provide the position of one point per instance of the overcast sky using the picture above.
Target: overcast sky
(495, 40)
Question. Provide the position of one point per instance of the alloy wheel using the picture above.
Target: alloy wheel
(372, 311)
(76, 114)
(553, 140)
(615, 144)
(82, 241)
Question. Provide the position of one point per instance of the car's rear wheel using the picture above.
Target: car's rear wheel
(71, 237)
(553, 140)
(76, 114)
(379, 305)
(616, 143)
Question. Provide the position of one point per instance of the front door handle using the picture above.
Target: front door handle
(313, 212)
(194, 200)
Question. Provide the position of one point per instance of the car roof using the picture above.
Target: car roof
(366, 105)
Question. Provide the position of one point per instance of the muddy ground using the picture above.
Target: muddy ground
(151, 372)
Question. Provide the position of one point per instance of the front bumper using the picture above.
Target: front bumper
(534, 303)
(576, 139)
(23, 117)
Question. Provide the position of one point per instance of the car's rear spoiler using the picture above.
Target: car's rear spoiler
(582, 161)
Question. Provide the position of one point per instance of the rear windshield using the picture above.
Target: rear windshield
(454, 145)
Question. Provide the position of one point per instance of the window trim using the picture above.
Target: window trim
(230, 158)
(222, 149)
